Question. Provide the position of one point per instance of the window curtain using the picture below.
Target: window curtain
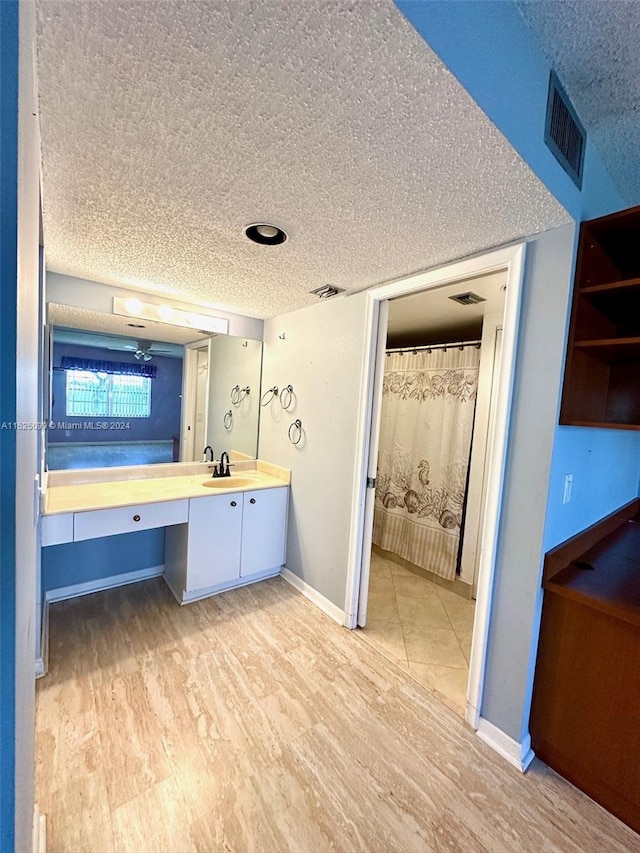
(96, 365)
(428, 406)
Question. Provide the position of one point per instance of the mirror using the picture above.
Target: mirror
(126, 393)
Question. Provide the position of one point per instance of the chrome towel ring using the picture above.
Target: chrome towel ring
(287, 397)
(272, 392)
(295, 431)
(238, 394)
(228, 420)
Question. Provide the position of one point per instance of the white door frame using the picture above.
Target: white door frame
(189, 381)
(510, 259)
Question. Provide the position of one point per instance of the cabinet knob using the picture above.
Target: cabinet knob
(233, 503)
(252, 500)
(136, 518)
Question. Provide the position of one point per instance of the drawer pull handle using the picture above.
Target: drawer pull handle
(252, 501)
(233, 503)
(136, 518)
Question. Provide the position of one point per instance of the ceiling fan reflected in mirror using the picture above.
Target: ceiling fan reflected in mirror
(142, 350)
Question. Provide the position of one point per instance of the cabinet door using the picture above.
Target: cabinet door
(264, 526)
(215, 528)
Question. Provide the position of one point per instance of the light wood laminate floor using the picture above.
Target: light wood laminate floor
(252, 722)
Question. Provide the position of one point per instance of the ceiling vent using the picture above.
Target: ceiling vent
(326, 291)
(468, 298)
(563, 132)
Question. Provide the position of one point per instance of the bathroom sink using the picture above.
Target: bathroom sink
(229, 482)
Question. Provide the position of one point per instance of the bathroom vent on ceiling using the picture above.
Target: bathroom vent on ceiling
(563, 132)
(468, 298)
(326, 291)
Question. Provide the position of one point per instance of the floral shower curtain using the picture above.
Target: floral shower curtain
(425, 440)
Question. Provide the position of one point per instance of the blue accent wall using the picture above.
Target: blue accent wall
(8, 296)
(79, 562)
(166, 390)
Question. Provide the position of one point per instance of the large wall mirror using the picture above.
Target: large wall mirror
(129, 393)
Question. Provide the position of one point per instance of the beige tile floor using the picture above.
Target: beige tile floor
(423, 628)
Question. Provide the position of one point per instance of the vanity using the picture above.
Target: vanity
(220, 533)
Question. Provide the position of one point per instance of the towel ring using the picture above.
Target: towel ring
(295, 429)
(238, 394)
(286, 397)
(272, 391)
(228, 420)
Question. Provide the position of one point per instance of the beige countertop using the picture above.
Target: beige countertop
(82, 497)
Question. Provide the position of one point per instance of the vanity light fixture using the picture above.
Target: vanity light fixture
(164, 313)
(265, 234)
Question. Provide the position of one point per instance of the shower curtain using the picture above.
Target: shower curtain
(425, 439)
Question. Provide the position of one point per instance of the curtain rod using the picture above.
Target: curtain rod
(429, 347)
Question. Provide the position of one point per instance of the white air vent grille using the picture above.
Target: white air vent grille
(468, 298)
(563, 132)
(326, 291)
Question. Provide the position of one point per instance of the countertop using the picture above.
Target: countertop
(81, 497)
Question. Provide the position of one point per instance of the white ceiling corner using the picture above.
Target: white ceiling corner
(167, 127)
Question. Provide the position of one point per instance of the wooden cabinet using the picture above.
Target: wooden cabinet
(602, 374)
(231, 539)
(586, 697)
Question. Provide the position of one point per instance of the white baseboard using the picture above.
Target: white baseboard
(520, 755)
(314, 596)
(42, 663)
(39, 831)
(62, 593)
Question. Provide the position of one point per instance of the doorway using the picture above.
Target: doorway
(488, 498)
(440, 372)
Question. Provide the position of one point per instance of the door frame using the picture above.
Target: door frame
(189, 382)
(511, 260)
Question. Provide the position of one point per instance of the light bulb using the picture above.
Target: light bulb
(267, 230)
(166, 313)
(132, 305)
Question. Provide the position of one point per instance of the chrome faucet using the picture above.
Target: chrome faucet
(208, 447)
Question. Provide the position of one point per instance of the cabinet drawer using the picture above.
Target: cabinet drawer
(56, 529)
(127, 519)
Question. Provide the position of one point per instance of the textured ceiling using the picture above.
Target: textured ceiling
(432, 317)
(117, 344)
(593, 47)
(168, 126)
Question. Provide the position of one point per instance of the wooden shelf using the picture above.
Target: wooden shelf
(601, 424)
(611, 286)
(602, 373)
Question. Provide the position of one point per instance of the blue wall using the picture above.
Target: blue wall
(166, 390)
(8, 296)
(78, 562)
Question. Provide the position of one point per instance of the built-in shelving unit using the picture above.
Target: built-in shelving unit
(602, 374)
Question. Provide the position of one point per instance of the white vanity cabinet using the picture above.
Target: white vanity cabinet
(231, 539)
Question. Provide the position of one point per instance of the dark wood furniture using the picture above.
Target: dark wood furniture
(585, 717)
(602, 373)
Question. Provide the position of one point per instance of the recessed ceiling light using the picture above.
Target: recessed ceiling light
(265, 234)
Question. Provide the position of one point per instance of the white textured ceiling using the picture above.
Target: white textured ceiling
(432, 317)
(168, 126)
(594, 48)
